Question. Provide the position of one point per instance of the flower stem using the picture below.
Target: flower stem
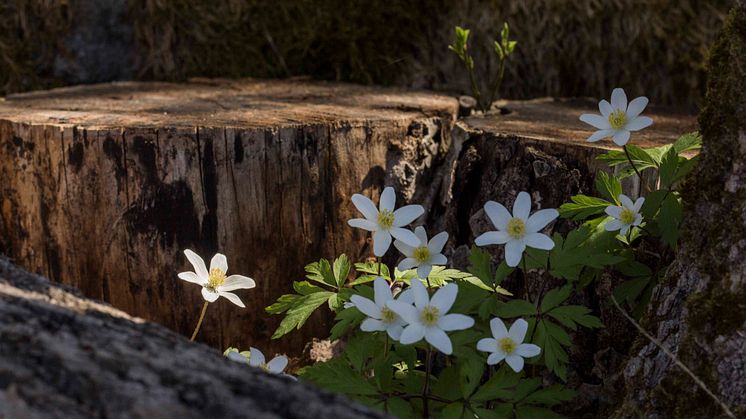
(378, 262)
(639, 176)
(199, 322)
(426, 385)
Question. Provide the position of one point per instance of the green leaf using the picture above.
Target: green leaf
(301, 309)
(453, 411)
(341, 270)
(345, 320)
(582, 207)
(572, 315)
(516, 308)
(534, 412)
(631, 290)
(688, 142)
(499, 411)
(445, 386)
(498, 387)
(669, 166)
(652, 204)
(479, 266)
(550, 396)
(609, 186)
(282, 304)
(670, 218)
(338, 377)
(555, 297)
(470, 373)
(399, 408)
(685, 167)
(321, 272)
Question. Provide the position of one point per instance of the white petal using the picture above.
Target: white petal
(372, 325)
(191, 277)
(492, 237)
(367, 307)
(437, 242)
(513, 252)
(613, 211)
(209, 296)
(596, 121)
(412, 333)
(405, 236)
(233, 298)
(405, 310)
(624, 230)
(638, 123)
(620, 138)
(404, 248)
(256, 357)
(539, 241)
(381, 291)
(454, 321)
(394, 330)
(365, 206)
(515, 362)
(498, 214)
(198, 263)
(638, 220)
(237, 282)
(522, 206)
(439, 340)
(439, 259)
(363, 223)
(421, 234)
(219, 261)
(600, 135)
(498, 328)
(495, 358)
(381, 242)
(638, 204)
(636, 107)
(619, 99)
(487, 345)
(444, 298)
(388, 199)
(605, 108)
(518, 330)
(613, 225)
(540, 219)
(235, 356)
(423, 271)
(407, 264)
(406, 215)
(277, 364)
(406, 296)
(626, 202)
(528, 350)
(421, 298)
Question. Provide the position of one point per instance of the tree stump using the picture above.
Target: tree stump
(104, 185)
(64, 356)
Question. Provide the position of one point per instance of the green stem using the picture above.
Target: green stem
(426, 385)
(629, 158)
(498, 82)
(199, 322)
(474, 86)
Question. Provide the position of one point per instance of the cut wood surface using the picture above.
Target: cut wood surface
(68, 357)
(103, 186)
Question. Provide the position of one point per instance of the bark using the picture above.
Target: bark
(105, 185)
(65, 356)
(698, 312)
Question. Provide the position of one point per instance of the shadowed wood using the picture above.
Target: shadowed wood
(105, 185)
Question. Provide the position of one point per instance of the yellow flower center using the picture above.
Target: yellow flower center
(387, 315)
(216, 278)
(507, 345)
(386, 219)
(429, 315)
(617, 119)
(421, 254)
(627, 216)
(516, 228)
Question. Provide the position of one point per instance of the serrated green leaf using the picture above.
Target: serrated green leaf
(321, 272)
(398, 407)
(302, 308)
(498, 387)
(609, 186)
(688, 142)
(555, 297)
(670, 218)
(534, 412)
(572, 315)
(516, 308)
(668, 168)
(582, 207)
(345, 320)
(283, 303)
(338, 377)
(341, 270)
(470, 374)
(550, 396)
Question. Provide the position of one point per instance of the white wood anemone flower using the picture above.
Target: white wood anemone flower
(425, 254)
(618, 118)
(428, 318)
(518, 230)
(256, 359)
(380, 316)
(508, 345)
(214, 282)
(384, 222)
(625, 216)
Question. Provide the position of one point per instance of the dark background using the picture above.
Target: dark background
(565, 48)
